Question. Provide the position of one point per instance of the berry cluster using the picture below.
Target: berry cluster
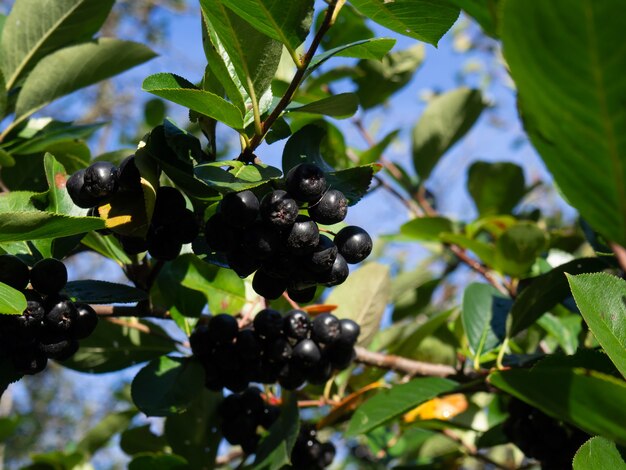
(242, 414)
(285, 249)
(309, 453)
(172, 225)
(289, 350)
(541, 437)
(51, 325)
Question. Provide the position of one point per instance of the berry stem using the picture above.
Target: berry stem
(291, 301)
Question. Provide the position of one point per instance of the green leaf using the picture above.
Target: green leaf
(36, 28)
(353, 182)
(590, 400)
(424, 20)
(167, 385)
(426, 228)
(180, 91)
(372, 49)
(485, 12)
(484, 315)
(446, 119)
(495, 187)
(601, 299)
(6, 159)
(288, 23)
(106, 246)
(58, 199)
(363, 298)
(570, 94)
(154, 112)
(238, 177)
(378, 80)
(340, 106)
(253, 55)
(8, 425)
(103, 292)
(20, 226)
(12, 301)
(195, 434)
(75, 67)
(409, 346)
(546, 291)
(596, 453)
(48, 133)
(565, 330)
(481, 249)
(113, 347)
(141, 439)
(376, 151)
(518, 247)
(158, 462)
(98, 436)
(274, 450)
(392, 403)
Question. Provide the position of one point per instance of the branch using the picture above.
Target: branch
(297, 78)
(135, 311)
(620, 254)
(402, 364)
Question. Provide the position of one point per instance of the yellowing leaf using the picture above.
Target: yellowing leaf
(443, 408)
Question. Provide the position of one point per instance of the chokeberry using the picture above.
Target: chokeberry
(320, 373)
(350, 331)
(268, 324)
(58, 346)
(101, 179)
(62, 315)
(248, 346)
(31, 319)
(326, 328)
(75, 186)
(219, 235)
(330, 209)
(354, 244)
(302, 295)
(226, 357)
(337, 274)
(252, 402)
(267, 286)
(279, 350)
(163, 244)
(303, 236)
(306, 353)
(14, 272)
(168, 204)
(242, 263)
(340, 355)
(222, 329)
(48, 276)
(187, 228)
(328, 454)
(291, 377)
(279, 209)
(133, 245)
(323, 255)
(261, 240)
(86, 321)
(306, 182)
(200, 341)
(129, 178)
(241, 209)
(29, 361)
(230, 407)
(297, 325)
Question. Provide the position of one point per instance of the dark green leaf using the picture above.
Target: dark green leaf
(565, 330)
(6, 160)
(353, 182)
(154, 112)
(237, 177)
(106, 246)
(98, 436)
(288, 23)
(596, 453)
(58, 199)
(8, 425)
(7, 373)
(141, 439)
(113, 347)
(180, 91)
(363, 298)
(393, 402)
(590, 400)
(485, 12)
(485, 251)
(484, 317)
(374, 153)
(12, 301)
(601, 299)
(410, 345)
(570, 94)
(19, 226)
(75, 67)
(167, 385)
(50, 134)
(372, 49)
(446, 119)
(158, 462)
(274, 450)
(426, 228)
(36, 28)
(340, 106)
(518, 247)
(495, 187)
(546, 291)
(424, 20)
(103, 292)
(194, 434)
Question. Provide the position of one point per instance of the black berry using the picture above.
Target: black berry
(129, 178)
(133, 245)
(241, 209)
(290, 377)
(219, 235)
(58, 346)
(248, 346)
(48, 276)
(163, 243)
(306, 353)
(101, 179)
(268, 324)
(323, 255)
(337, 274)
(261, 240)
(187, 226)
(14, 272)
(279, 350)
(279, 209)
(29, 361)
(306, 182)
(267, 286)
(350, 331)
(168, 204)
(302, 295)
(303, 236)
(340, 355)
(222, 329)
(86, 321)
(326, 328)
(75, 186)
(200, 342)
(62, 315)
(354, 244)
(242, 263)
(330, 209)
(297, 325)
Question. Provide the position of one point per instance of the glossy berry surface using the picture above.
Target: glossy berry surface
(133, 245)
(350, 331)
(101, 179)
(30, 362)
(337, 274)
(48, 276)
(297, 325)
(222, 329)
(61, 315)
(86, 321)
(267, 286)
(306, 353)
(58, 347)
(340, 355)
(14, 272)
(354, 244)
(242, 263)
(330, 209)
(302, 295)
(306, 182)
(261, 240)
(268, 323)
(75, 186)
(323, 255)
(303, 236)
(326, 328)
(279, 209)
(241, 209)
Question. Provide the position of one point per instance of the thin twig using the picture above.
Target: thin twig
(472, 451)
(402, 364)
(142, 327)
(620, 254)
(121, 311)
(231, 456)
(296, 80)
